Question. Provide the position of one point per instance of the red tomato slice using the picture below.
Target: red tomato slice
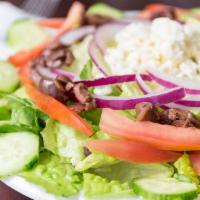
(51, 23)
(57, 110)
(195, 159)
(133, 151)
(164, 137)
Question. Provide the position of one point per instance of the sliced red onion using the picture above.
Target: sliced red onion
(72, 76)
(124, 103)
(188, 102)
(182, 107)
(142, 85)
(104, 35)
(46, 73)
(191, 86)
(113, 80)
(77, 34)
(97, 58)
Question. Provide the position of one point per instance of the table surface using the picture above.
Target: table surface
(8, 194)
(5, 192)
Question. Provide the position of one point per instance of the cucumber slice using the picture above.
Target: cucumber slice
(9, 79)
(164, 189)
(18, 151)
(25, 34)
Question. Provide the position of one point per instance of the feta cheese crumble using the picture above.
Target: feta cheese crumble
(164, 45)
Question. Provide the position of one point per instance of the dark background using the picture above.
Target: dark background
(7, 193)
(122, 4)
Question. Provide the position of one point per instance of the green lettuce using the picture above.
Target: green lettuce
(104, 10)
(184, 167)
(25, 115)
(95, 160)
(21, 93)
(86, 72)
(5, 113)
(64, 141)
(23, 112)
(92, 116)
(96, 186)
(126, 172)
(80, 52)
(55, 174)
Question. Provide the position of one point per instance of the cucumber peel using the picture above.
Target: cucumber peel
(164, 189)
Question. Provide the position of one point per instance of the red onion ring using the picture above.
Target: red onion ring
(105, 34)
(113, 80)
(72, 76)
(46, 73)
(187, 103)
(97, 58)
(191, 87)
(77, 34)
(124, 103)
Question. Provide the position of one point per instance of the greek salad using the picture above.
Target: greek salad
(104, 102)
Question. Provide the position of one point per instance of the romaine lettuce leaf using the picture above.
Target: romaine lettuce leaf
(184, 167)
(92, 116)
(55, 174)
(21, 93)
(86, 72)
(64, 141)
(80, 52)
(96, 186)
(5, 113)
(25, 115)
(126, 172)
(95, 160)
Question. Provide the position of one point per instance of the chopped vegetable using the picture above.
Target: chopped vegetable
(55, 174)
(18, 151)
(96, 186)
(172, 138)
(8, 77)
(19, 38)
(103, 9)
(73, 20)
(125, 103)
(166, 188)
(195, 159)
(126, 172)
(184, 167)
(136, 152)
(51, 23)
(57, 110)
(64, 141)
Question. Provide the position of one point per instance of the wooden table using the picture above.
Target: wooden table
(9, 194)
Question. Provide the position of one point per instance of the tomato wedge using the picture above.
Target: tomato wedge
(154, 8)
(72, 20)
(132, 151)
(21, 58)
(162, 136)
(24, 74)
(52, 107)
(51, 23)
(57, 110)
(195, 159)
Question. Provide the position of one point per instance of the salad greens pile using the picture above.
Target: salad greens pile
(53, 155)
